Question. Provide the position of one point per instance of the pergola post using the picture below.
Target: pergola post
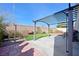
(48, 29)
(70, 31)
(66, 33)
(34, 30)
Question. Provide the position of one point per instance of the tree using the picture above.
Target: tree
(1, 29)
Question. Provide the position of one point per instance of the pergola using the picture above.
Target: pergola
(65, 16)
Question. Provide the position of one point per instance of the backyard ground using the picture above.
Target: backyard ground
(46, 46)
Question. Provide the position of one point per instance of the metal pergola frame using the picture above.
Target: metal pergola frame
(69, 19)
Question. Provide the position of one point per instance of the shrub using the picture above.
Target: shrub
(11, 34)
(50, 31)
(38, 30)
(16, 34)
(43, 32)
(31, 32)
(1, 36)
(1, 30)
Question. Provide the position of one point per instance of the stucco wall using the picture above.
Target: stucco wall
(76, 26)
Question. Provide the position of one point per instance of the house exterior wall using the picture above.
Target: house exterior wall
(77, 22)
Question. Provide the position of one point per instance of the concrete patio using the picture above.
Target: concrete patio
(52, 46)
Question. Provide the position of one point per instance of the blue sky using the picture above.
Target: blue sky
(25, 13)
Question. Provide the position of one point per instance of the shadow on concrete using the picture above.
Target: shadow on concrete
(59, 46)
(29, 52)
(15, 49)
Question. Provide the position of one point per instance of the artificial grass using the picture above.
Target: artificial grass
(30, 36)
